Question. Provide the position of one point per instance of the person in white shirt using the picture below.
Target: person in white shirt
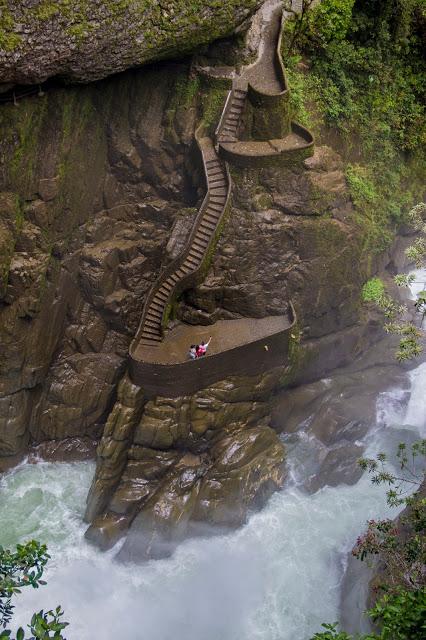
(192, 352)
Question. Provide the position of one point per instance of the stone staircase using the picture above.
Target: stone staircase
(183, 271)
(227, 130)
(188, 269)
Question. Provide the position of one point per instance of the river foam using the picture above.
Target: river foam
(276, 578)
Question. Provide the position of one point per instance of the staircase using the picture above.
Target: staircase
(227, 130)
(183, 271)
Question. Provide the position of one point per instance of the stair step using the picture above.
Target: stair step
(153, 315)
(212, 206)
(195, 253)
(154, 327)
(156, 307)
(207, 225)
(211, 219)
(212, 161)
(192, 265)
(200, 246)
(182, 272)
(204, 237)
(215, 172)
(161, 296)
(166, 286)
(151, 333)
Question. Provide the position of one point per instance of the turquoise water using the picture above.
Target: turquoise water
(277, 578)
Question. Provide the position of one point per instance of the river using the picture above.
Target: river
(276, 578)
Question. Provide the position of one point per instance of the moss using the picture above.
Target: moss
(184, 95)
(9, 40)
(27, 125)
(213, 102)
(46, 10)
(373, 290)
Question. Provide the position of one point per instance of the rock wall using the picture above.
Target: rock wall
(95, 182)
(85, 41)
(92, 179)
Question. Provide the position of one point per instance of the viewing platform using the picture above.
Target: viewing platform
(246, 346)
(254, 153)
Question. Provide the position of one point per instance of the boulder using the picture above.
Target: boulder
(84, 41)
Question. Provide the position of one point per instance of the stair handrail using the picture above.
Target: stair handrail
(224, 114)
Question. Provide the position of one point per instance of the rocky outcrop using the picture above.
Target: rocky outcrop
(84, 41)
(175, 467)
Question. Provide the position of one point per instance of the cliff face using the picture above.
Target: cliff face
(92, 179)
(99, 185)
(84, 41)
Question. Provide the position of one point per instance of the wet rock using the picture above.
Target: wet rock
(82, 236)
(180, 232)
(48, 188)
(208, 493)
(187, 462)
(103, 38)
(339, 467)
(67, 450)
(107, 530)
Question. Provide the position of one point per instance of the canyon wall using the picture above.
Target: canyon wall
(99, 188)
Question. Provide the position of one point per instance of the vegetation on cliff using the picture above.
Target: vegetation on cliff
(357, 73)
(398, 548)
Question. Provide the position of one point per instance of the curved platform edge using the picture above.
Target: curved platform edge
(252, 154)
(186, 378)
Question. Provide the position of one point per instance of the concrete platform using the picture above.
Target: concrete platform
(226, 335)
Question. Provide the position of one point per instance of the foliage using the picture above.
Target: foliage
(329, 22)
(400, 615)
(409, 345)
(22, 568)
(400, 612)
(373, 290)
(359, 67)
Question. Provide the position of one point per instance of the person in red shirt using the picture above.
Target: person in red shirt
(202, 348)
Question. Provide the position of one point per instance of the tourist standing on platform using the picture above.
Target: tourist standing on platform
(202, 348)
(192, 352)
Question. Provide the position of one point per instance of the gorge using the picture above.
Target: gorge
(146, 208)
